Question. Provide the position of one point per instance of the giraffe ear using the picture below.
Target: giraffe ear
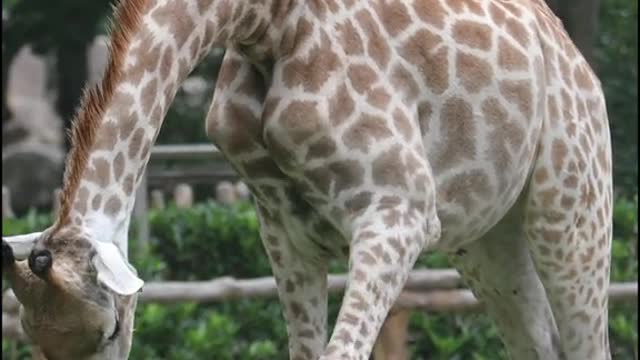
(114, 271)
(21, 245)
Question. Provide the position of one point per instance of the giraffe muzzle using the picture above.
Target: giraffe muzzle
(40, 261)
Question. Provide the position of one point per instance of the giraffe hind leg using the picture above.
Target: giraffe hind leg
(500, 272)
(568, 228)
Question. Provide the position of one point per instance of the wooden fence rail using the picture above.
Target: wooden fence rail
(427, 290)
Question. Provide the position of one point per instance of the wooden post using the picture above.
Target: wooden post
(393, 337)
(242, 191)
(36, 354)
(7, 212)
(183, 196)
(157, 199)
(226, 193)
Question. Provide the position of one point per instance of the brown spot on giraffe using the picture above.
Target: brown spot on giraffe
(346, 174)
(377, 46)
(261, 168)
(179, 29)
(582, 77)
(430, 11)
(473, 34)
(113, 205)
(365, 131)
(240, 135)
(424, 50)
(403, 124)
(498, 15)
(505, 135)
(322, 148)
(100, 172)
(559, 152)
(379, 97)
(362, 77)
(108, 137)
(341, 106)
(118, 166)
(351, 41)
(393, 15)
(312, 71)
(462, 189)
(404, 82)
(388, 169)
(82, 201)
(301, 120)
(459, 6)
(510, 57)
(136, 142)
(128, 183)
(474, 73)
(96, 202)
(425, 112)
(518, 32)
(519, 92)
(458, 131)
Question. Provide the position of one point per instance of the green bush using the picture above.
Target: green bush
(209, 241)
(617, 66)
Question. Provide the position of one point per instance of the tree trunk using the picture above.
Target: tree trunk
(580, 18)
(72, 72)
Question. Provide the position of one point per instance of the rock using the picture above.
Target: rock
(31, 171)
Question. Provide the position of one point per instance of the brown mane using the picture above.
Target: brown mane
(125, 22)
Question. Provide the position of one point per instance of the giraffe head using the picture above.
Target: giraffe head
(77, 295)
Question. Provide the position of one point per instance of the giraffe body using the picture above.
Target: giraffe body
(373, 131)
(490, 95)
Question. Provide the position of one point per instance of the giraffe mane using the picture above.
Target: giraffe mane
(87, 120)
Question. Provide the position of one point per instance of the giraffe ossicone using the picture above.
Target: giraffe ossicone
(368, 130)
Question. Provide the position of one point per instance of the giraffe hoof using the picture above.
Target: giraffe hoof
(7, 254)
(40, 262)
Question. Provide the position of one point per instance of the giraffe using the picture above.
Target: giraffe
(371, 131)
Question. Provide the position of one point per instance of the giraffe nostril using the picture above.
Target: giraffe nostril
(40, 262)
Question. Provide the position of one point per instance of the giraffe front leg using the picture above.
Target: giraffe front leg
(365, 170)
(387, 239)
(302, 289)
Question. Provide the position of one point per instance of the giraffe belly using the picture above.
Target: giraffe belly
(466, 215)
(474, 195)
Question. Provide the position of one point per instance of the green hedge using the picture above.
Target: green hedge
(209, 241)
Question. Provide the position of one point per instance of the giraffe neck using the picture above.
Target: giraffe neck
(155, 45)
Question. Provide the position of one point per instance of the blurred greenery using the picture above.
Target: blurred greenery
(617, 66)
(211, 240)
